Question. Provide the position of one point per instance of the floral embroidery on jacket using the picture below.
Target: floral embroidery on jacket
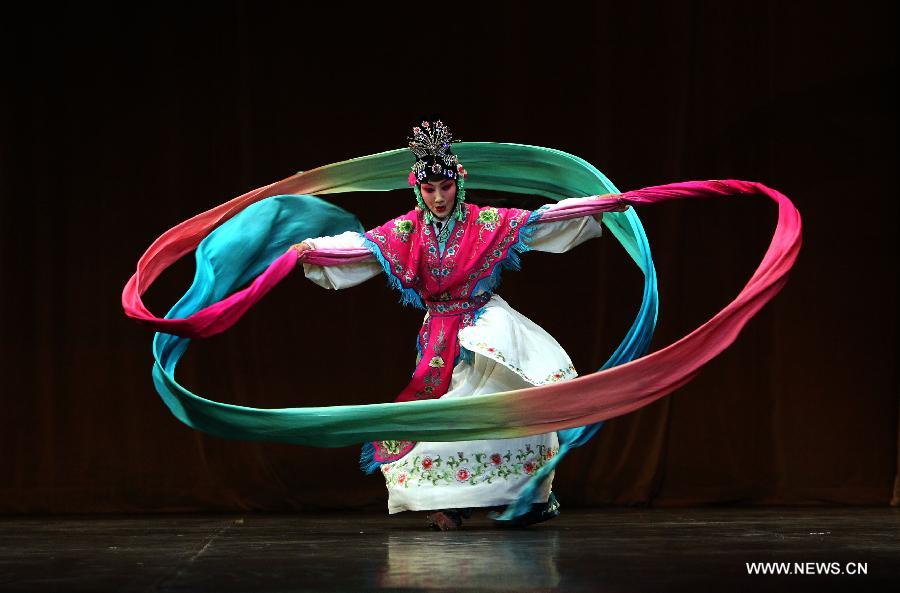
(489, 218)
(402, 228)
(467, 468)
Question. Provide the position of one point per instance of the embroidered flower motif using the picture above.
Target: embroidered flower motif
(392, 447)
(462, 474)
(403, 226)
(437, 362)
(528, 468)
(488, 216)
(496, 459)
(550, 453)
(401, 478)
(426, 463)
(560, 374)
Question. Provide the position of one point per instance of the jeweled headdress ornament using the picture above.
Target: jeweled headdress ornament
(430, 143)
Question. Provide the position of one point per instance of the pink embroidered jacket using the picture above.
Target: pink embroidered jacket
(452, 285)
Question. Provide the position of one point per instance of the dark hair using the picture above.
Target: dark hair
(435, 178)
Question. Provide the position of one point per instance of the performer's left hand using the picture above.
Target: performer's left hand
(620, 207)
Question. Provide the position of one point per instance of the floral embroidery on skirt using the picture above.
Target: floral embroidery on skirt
(467, 467)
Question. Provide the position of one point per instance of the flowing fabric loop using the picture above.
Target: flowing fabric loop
(575, 408)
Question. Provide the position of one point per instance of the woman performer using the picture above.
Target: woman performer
(445, 256)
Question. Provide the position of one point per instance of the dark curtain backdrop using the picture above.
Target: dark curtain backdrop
(118, 123)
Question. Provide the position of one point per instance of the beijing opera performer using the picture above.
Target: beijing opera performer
(445, 256)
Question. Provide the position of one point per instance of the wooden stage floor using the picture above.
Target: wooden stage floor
(593, 550)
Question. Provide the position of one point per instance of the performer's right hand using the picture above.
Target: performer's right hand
(301, 247)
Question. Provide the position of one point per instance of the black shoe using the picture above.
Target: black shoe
(540, 511)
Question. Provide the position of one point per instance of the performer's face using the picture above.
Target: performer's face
(439, 196)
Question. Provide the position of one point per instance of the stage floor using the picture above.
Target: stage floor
(597, 550)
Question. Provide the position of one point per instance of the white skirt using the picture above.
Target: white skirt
(509, 352)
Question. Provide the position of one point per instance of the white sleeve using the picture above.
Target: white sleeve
(346, 275)
(563, 235)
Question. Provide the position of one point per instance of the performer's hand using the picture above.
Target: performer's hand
(301, 247)
(620, 207)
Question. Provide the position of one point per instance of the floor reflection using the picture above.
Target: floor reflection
(451, 561)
